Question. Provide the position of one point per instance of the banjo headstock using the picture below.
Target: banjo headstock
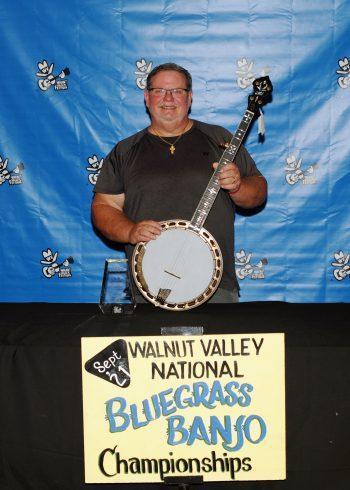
(262, 90)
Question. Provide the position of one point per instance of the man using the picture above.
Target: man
(161, 172)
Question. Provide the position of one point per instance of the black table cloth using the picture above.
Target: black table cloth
(41, 435)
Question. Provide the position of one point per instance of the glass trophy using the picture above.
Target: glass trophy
(116, 292)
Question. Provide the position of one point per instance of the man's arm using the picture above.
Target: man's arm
(246, 192)
(251, 193)
(110, 220)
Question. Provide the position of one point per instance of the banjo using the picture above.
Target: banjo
(183, 267)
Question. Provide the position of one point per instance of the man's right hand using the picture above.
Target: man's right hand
(144, 231)
(109, 218)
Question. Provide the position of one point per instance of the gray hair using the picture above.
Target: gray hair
(170, 67)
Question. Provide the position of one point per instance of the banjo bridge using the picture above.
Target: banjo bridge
(171, 274)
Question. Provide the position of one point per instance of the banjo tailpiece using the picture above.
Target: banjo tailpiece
(163, 295)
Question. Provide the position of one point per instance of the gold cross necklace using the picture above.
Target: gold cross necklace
(172, 147)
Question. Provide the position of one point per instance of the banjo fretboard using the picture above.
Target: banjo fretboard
(213, 187)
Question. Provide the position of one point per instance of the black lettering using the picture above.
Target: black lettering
(138, 348)
(194, 462)
(101, 461)
(258, 346)
(216, 460)
(246, 464)
(156, 369)
(206, 465)
(235, 466)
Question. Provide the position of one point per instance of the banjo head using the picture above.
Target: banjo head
(179, 270)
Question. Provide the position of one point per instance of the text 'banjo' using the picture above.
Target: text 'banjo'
(183, 267)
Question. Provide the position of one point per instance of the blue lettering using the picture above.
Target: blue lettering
(167, 405)
(198, 431)
(239, 442)
(262, 426)
(244, 401)
(200, 393)
(111, 415)
(175, 425)
(185, 402)
(231, 400)
(216, 394)
(136, 423)
(216, 427)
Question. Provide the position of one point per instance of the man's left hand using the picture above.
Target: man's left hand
(229, 177)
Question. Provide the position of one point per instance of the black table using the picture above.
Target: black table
(40, 387)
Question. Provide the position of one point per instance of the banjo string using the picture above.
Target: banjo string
(175, 266)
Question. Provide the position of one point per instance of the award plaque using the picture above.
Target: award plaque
(116, 292)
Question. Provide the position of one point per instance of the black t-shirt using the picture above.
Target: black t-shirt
(160, 186)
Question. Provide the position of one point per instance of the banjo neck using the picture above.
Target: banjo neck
(213, 187)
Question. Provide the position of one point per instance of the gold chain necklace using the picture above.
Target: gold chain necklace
(172, 147)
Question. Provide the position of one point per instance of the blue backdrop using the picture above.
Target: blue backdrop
(72, 82)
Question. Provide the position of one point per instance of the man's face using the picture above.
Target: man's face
(168, 108)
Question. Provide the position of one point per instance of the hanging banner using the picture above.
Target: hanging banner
(212, 406)
(78, 90)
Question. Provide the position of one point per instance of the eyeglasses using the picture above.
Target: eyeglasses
(175, 92)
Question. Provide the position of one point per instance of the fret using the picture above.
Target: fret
(231, 149)
(225, 160)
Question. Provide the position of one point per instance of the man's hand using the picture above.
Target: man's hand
(109, 218)
(246, 192)
(144, 231)
(229, 177)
